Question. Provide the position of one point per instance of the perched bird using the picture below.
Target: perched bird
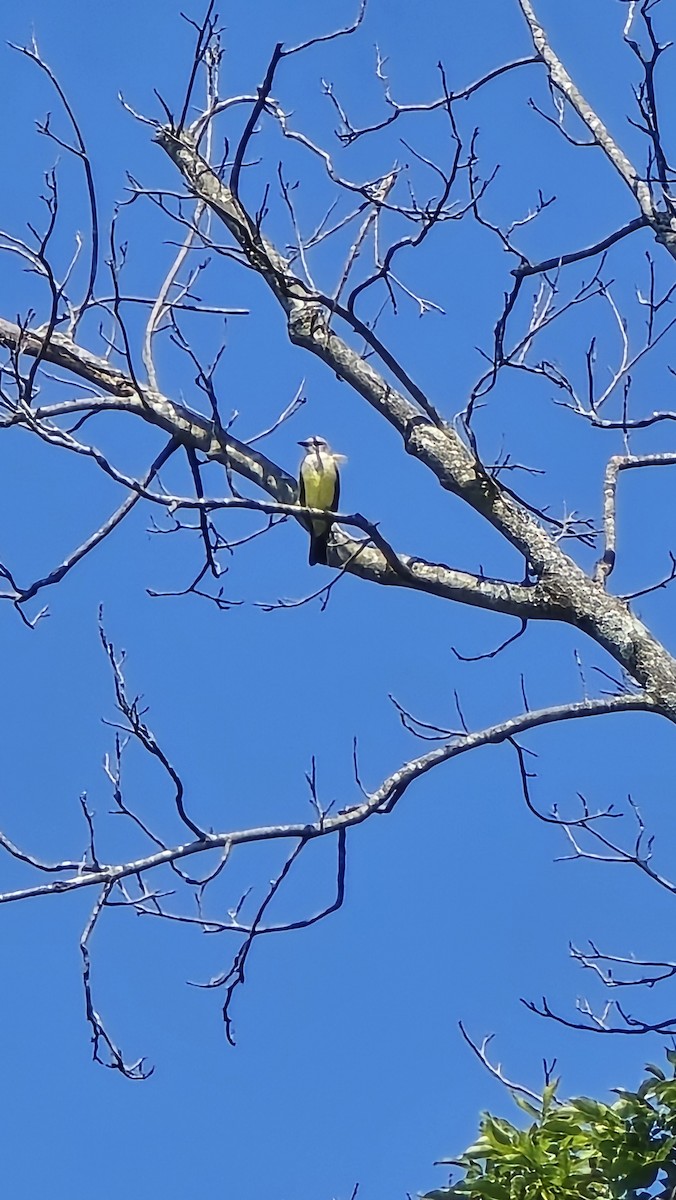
(319, 487)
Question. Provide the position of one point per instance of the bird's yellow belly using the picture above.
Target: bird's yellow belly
(320, 488)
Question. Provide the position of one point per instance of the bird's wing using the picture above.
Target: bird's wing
(302, 500)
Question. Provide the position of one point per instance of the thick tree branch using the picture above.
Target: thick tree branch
(562, 80)
(662, 222)
(200, 433)
(621, 462)
(437, 445)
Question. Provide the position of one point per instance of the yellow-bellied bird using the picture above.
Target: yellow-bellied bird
(319, 487)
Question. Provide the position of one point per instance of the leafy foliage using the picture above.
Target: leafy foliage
(579, 1149)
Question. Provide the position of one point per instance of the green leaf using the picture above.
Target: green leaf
(642, 1177)
(656, 1071)
(591, 1108)
(500, 1133)
(521, 1101)
(549, 1093)
(480, 1149)
(583, 1149)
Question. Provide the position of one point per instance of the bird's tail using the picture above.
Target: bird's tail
(319, 540)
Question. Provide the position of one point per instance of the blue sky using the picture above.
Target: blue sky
(349, 1066)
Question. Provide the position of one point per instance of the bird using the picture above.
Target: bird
(319, 487)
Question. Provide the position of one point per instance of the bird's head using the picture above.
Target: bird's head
(319, 446)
